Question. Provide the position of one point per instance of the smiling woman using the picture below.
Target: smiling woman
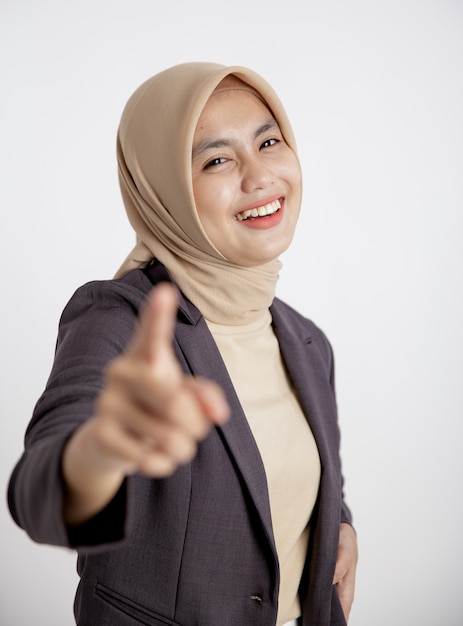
(187, 443)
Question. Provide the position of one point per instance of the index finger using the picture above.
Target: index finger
(156, 324)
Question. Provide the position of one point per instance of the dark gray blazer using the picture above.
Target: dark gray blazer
(197, 548)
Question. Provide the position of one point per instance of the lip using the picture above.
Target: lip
(266, 221)
(260, 203)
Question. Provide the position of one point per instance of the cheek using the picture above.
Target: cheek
(202, 201)
(295, 173)
(212, 203)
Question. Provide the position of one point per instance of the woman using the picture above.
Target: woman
(187, 442)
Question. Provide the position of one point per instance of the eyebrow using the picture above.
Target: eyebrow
(212, 144)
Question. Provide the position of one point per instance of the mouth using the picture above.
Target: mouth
(263, 211)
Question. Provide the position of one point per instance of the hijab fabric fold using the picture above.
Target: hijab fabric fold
(154, 147)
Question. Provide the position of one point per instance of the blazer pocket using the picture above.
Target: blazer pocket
(139, 613)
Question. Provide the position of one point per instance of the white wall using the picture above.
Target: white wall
(375, 92)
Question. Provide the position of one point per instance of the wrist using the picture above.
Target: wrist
(90, 480)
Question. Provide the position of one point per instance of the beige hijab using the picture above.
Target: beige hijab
(154, 157)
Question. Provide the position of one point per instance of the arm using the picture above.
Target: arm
(94, 337)
(148, 418)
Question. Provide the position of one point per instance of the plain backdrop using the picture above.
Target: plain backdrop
(375, 93)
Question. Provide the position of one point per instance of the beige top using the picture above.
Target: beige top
(285, 442)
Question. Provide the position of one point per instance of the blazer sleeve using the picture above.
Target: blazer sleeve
(94, 328)
(346, 515)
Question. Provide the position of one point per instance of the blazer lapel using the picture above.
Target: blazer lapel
(310, 376)
(203, 358)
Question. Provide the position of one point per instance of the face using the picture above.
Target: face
(246, 179)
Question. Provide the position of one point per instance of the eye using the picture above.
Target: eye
(215, 162)
(270, 142)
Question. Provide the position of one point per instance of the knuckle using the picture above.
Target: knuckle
(178, 446)
(157, 464)
(115, 368)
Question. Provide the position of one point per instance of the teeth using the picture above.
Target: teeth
(262, 211)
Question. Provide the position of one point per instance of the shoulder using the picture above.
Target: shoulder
(296, 320)
(103, 308)
(287, 320)
(108, 308)
(130, 290)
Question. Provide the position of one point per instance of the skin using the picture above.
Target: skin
(149, 418)
(346, 566)
(241, 161)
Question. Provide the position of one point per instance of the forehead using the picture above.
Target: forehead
(232, 101)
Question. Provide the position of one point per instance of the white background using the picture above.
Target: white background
(375, 93)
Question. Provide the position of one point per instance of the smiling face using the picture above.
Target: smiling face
(246, 179)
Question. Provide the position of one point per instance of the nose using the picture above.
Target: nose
(256, 175)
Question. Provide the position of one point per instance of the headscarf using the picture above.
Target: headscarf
(154, 149)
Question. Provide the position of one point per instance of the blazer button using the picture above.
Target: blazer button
(256, 598)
